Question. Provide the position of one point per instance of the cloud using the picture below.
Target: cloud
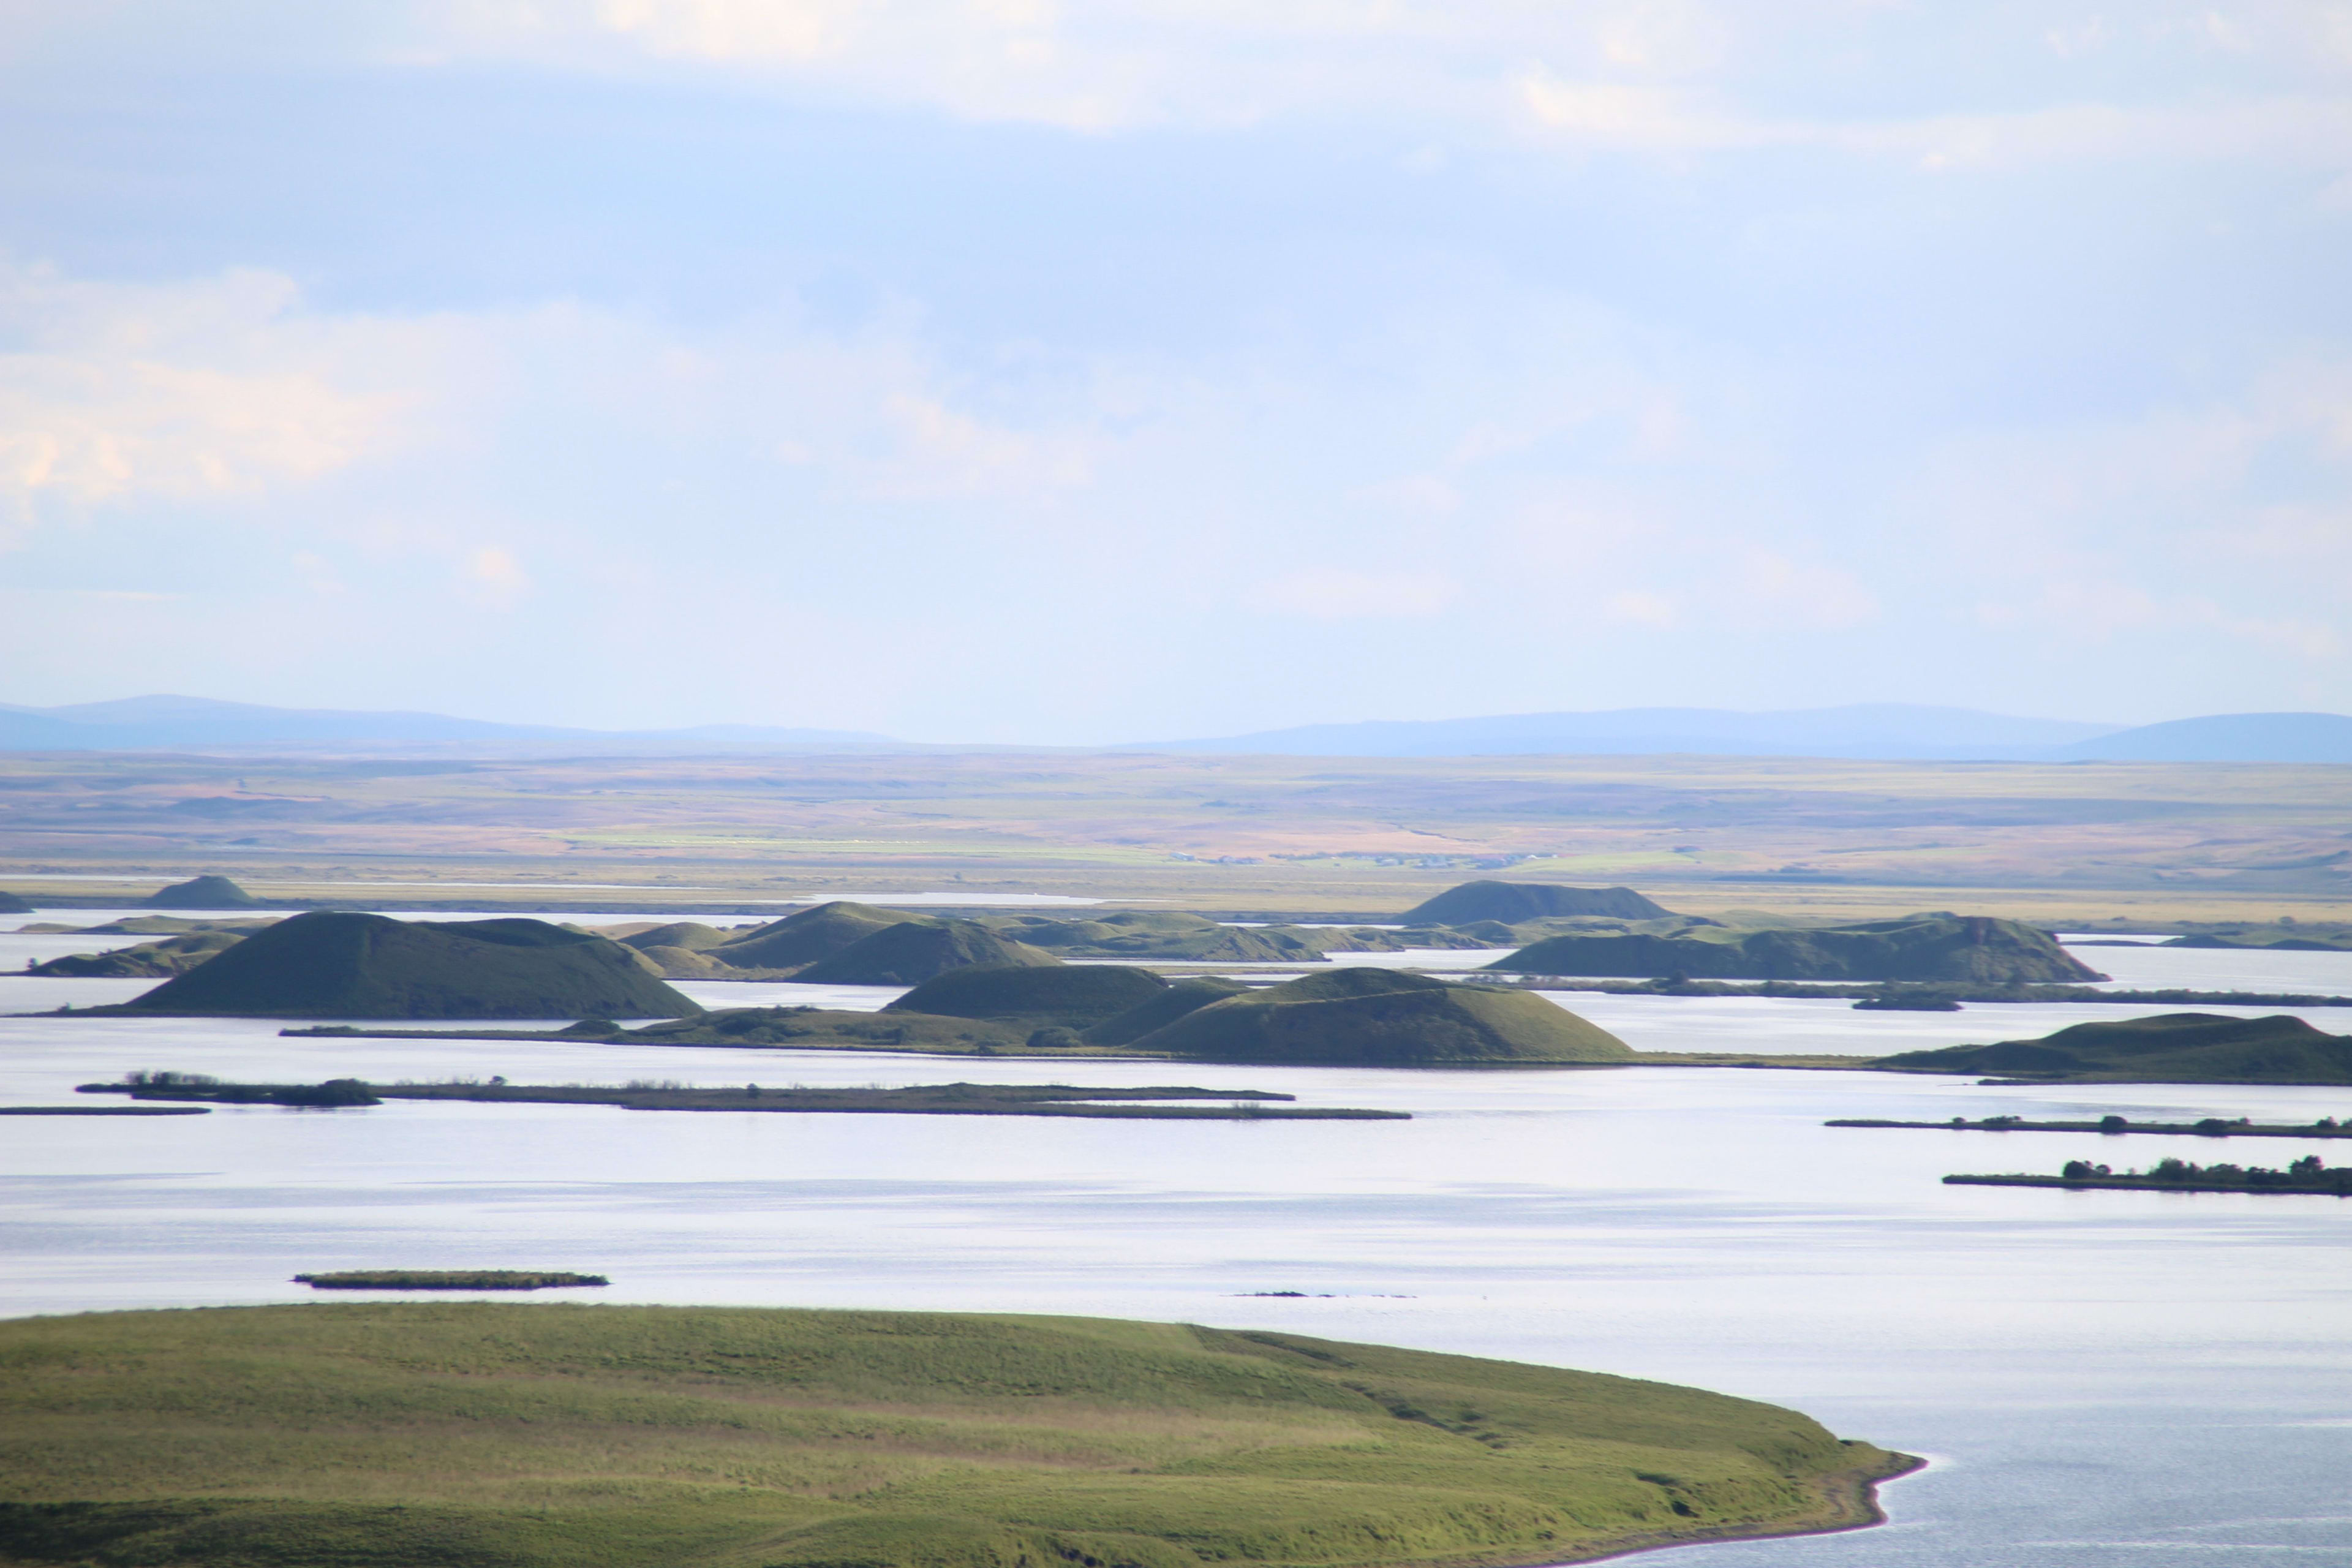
(494, 578)
(1331, 594)
(213, 387)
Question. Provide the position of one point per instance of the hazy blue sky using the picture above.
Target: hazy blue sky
(1005, 370)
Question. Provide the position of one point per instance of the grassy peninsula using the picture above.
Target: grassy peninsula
(496, 1435)
(2309, 1174)
(2172, 1047)
(447, 1279)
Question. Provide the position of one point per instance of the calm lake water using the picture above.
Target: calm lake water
(2102, 1378)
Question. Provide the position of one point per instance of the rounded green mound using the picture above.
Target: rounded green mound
(691, 935)
(11, 904)
(1161, 1008)
(811, 934)
(2172, 1047)
(496, 1435)
(1916, 947)
(1375, 1017)
(1511, 902)
(332, 965)
(1075, 995)
(201, 893)
(912, 952)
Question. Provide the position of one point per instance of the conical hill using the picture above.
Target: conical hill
(200, 893)
(1161, 1008)
(334, 966)
(1511, 902)
(809, 935)
(912, 952)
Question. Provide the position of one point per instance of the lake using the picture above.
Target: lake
(2101, 1378)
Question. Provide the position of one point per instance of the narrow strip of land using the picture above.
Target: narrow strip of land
(913, 1100)
(2112, 1126)
(105, 1110)
(2308, 1175)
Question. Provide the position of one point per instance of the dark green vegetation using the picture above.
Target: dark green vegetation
(148, 960)
(201, 893)
(912, 952)
(366, 966)
(2173, 1048)
(495, 1435)
(2308, 1175)
(1071, 995)
(10, 904)
(1162, 1007)
(809, 1029)
(1377, 1017)
(1908, 999)
(1916, 947)
(2209, 1126)
(913, 1099)
(105, 1110)
(1511, 902)
(445, 1279)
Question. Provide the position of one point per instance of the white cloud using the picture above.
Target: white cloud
(217, 386)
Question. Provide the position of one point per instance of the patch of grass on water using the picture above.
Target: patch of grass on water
(495, 1435)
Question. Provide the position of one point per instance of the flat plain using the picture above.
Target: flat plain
(2081, 844)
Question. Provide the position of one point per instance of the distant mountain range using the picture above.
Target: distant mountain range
(1887, 732)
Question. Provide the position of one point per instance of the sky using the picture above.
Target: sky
(1007, 371)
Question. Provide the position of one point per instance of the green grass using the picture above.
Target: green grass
(509, 1436)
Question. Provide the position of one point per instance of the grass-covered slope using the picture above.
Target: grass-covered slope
(912, 952)
(1073, 995)
(146, 961)
(2172, 1047)
(11, 904)
(810, 935)
(496, 1435)
(366, 966)
(1916, 947)
(1377, 1017)
(1162, 1007)
(1511, 902)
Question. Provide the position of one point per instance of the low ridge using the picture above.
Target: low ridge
(809, 935)
(2170, 1047)
(1162, 1007)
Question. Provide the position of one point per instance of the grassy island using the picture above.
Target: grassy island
(497, 1434)
(2308, 1175)
(2172, 1047)
(913, 1100)
(447, 1279)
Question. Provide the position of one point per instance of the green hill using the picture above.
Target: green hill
(1508, 903)
(10, 904)
(1162, 1007)
(810, 935)
(1074, 996)
(201, 893)
(1916, 947)
(912, 952)
(1377, 1017)
(2172, 1047)
(332, 965)
(507, 1434)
